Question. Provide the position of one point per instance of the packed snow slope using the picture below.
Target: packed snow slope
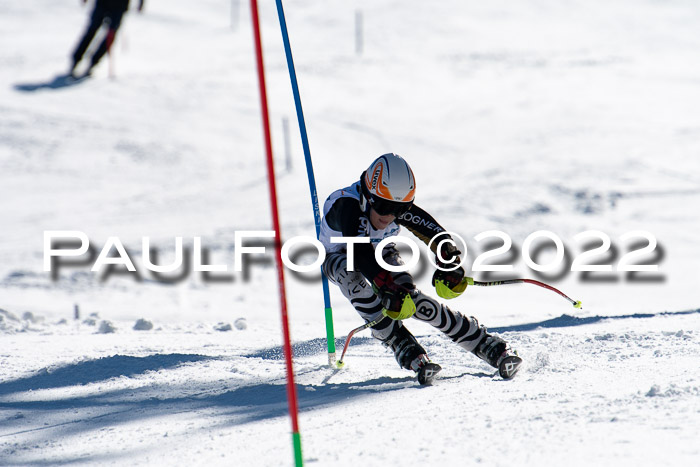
(566, 116)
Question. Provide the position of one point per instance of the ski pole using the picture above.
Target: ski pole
(110, 56)
(471, 281)
(369, 324)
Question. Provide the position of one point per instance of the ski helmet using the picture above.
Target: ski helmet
(388, 186)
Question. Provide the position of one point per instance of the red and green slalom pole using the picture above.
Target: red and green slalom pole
(291, 388)
(330, 335)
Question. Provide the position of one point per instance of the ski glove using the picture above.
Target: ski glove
(395, 298)
(449, 284)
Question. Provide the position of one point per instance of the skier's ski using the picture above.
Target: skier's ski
(427, 373)
(509, 366)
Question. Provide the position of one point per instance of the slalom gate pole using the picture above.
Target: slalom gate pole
(291, 388)
(575, 303)
(330, 337)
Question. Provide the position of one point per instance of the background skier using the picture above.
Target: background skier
(377, 206)
(110, 11)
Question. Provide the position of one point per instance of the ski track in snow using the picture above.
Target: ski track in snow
(558, 115)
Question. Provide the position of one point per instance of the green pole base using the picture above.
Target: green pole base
(298, 459)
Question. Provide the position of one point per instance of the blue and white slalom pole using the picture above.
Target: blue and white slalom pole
(312, 181)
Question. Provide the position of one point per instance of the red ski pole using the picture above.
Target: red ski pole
(471, 281)
(369, 324)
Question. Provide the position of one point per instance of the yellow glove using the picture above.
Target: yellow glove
(445, 291)
(395, 298)
(408, 308)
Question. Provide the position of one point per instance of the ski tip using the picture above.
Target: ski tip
(509, 366)
(427, 373)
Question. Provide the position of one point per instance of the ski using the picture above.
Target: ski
(426, 373)
(509, 366)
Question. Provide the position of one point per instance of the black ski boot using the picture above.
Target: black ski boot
(494, 351)
(411, 355)
(406, 348)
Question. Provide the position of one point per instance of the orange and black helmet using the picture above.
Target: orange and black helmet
(388, 186)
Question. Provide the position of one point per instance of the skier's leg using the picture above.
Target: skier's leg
(115, 19)
(463, 330)
(468, 334)
(356, 289)
(95, 23)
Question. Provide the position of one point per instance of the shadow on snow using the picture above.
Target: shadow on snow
(93, 371)
(58, 82)
(46, 419)
(565, 321)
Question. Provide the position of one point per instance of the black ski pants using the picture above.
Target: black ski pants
(101, 14)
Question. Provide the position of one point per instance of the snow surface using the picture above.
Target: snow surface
(516, 116)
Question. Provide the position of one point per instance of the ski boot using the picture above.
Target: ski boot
(494, 351)
(425, 369)
(411, 355)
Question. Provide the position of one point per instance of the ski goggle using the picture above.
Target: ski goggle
(385, 207)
